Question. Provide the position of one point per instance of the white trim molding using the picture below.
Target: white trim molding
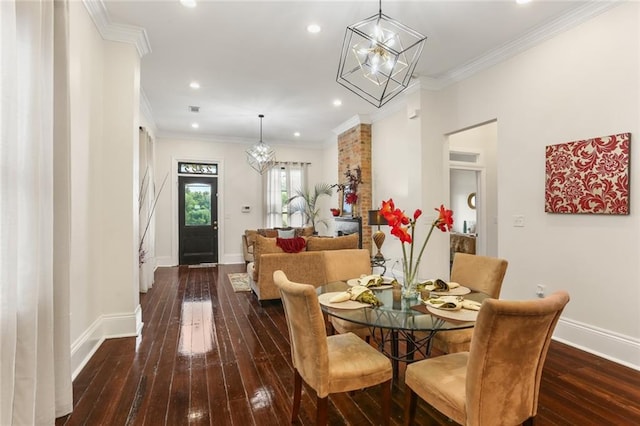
(615, 347)
(532, 38)
(117, 32)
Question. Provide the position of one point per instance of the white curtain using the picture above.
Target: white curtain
(146, 209)
(289, 177)
(35, 378)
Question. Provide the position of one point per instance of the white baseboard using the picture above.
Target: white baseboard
(164, 261)
(85, 346)
(615, 347)
(230, 259)
(105, 327)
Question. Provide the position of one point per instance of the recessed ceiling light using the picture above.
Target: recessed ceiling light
(188, 3)
(313, 28)
(337, 102)
(296, 134)
(195, 125)
(194, 85)
(523, 1)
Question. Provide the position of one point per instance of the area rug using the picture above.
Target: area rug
(240, 281)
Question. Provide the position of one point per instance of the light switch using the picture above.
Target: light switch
(518, 221)
(246, 209)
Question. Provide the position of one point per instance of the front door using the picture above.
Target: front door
(198, 206)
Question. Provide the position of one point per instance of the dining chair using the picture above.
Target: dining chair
(328, 364)
(497, 382)
(358, 264)
(480, 273)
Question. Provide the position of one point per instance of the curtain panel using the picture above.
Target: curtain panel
(287, 177)
(35, 378)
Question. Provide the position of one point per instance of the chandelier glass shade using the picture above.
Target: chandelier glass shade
(261, 157)
(378, 58)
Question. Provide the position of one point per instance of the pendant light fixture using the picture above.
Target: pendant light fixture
(261, 156)
(379, 56)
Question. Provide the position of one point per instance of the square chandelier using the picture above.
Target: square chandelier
(261, 156)
(378, 58)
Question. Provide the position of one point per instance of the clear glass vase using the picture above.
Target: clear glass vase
(409, 285)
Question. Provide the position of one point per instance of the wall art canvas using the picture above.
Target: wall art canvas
(588, 176)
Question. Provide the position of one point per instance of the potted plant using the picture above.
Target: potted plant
(305, 202)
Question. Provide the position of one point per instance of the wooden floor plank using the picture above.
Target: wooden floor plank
(209, 355)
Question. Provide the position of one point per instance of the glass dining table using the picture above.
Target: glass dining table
(402, 328)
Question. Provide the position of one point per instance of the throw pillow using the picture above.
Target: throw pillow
(269, 233)
(304, 232)
(263, 245)
(336, 243)
(286, 233)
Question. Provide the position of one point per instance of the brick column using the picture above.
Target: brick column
(354, 150)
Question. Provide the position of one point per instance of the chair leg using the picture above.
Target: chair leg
(410, 402)
(321, 413)
(386, 402)
(529, 422)
(297, 393)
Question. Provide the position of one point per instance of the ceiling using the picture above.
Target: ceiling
(256, 57)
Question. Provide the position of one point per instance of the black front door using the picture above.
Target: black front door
(198, 206)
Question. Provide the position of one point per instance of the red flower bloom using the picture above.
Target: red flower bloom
(445, 219)
(351, 198)
(403, 227)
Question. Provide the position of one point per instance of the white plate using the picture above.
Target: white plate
(325, 298)
(458, 291)
(385, 280)
(459, 315)
(444, 300)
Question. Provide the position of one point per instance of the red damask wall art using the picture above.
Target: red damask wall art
(589, 176)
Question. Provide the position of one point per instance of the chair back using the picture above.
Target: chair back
(341, 265)
(480, 273)
(307, 333)
(508, 350)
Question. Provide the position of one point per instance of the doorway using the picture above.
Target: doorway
(473, 160)
(198, 219)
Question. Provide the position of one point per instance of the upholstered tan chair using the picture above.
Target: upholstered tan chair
(497, 382)
(339, 270)
(332, 364)
(480, 273)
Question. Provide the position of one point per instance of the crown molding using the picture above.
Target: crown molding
(117, 32)
(529, 40)
(352, 122)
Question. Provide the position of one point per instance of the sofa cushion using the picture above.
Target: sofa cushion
(336, 243)
(262, 246)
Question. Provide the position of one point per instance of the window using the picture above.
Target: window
(282, 182)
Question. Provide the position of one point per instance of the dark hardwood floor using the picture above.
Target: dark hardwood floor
(208, 355)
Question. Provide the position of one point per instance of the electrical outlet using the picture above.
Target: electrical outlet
(540, 290)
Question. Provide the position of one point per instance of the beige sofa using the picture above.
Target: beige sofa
(325, 260)
(249, 238)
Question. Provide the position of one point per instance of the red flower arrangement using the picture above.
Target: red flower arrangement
(403, 227)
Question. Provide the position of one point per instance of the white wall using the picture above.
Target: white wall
(104, 87)
(583, 83)
(238, 185)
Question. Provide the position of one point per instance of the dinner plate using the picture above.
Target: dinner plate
(459, 315)
(325, 298)
(444, 300)
(458, 291)
(385, 280)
